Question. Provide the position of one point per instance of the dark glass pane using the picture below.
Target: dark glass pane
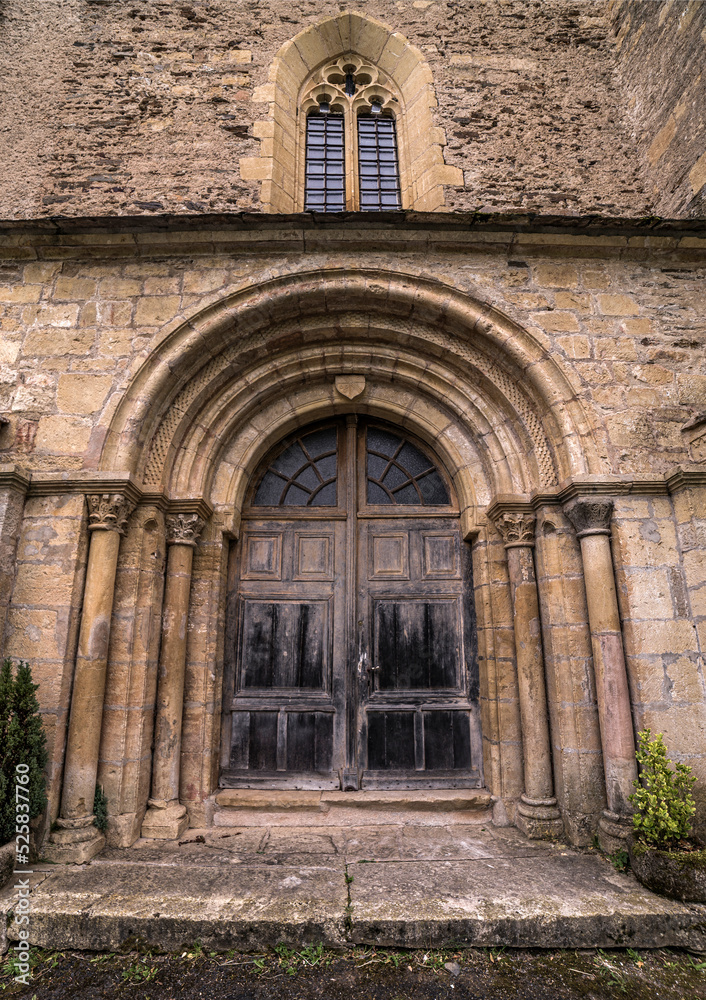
(395, 477)
(269, 491)
(411, 477)
(433, 489)
(327, 466)
(413, 460)
(290, 461)
(376, 494)
(326, 497)
(319, 442)
(382, 441)
(296, 497)
(324, 163)
(376, 466)
(377, 161)
(303, 474)
(408, 495)
(307, 477)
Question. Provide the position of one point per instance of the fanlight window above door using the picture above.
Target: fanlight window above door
(303, 475)
(399, 473)
(395, 472)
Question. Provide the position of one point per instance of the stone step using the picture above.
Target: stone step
(437, 807)
(545, 898)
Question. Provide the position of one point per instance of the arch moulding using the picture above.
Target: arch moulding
(256, 365)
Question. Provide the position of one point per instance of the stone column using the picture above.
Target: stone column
(591, 520)
(537, 813)
(166, 818)
(76, 837)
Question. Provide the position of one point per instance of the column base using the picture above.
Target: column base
(613, 831)
(539, 819)
(74, 841)
(164, 820)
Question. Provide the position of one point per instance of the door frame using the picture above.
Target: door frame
(352, 507)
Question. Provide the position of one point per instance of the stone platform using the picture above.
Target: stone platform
(396, 885)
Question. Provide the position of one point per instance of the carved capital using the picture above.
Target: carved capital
(184, 529)
(590, 515)
(108, 511)
(516, 528)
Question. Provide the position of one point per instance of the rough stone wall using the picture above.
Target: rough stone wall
(661, 53)
(115, 107)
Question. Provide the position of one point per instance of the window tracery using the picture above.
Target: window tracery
(350, 143)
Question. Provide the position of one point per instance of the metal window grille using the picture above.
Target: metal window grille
(378, 164)
(325, 188)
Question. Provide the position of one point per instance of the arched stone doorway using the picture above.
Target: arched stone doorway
(350, 653)
(478, 393)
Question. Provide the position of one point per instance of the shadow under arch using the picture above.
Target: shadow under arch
(208, 361)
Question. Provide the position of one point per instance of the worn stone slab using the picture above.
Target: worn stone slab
(421, 886)
(559, 901)
(111, 906)
(242, 807)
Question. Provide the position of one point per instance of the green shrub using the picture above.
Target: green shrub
(100, 809)
(22, 741)
(663, 803)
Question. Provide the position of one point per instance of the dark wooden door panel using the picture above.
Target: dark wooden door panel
(391, 741)
(416, 644)
(284, 644)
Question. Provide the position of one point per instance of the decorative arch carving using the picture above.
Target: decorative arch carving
(298, 72)
(431, 357)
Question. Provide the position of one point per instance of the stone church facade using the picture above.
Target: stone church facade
(403, 499)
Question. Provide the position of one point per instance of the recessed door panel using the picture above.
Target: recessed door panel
(284, 644)
(416, 644)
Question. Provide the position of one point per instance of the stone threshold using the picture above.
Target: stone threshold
(393, 886)
(246, 807)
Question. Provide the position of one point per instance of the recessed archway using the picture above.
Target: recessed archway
(243, 356)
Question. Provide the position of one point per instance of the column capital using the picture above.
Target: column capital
(516, 527)
(184, 528)
(590, 515)
(108, 511)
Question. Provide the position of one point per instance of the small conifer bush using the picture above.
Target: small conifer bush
(22, 741)
(663, 803)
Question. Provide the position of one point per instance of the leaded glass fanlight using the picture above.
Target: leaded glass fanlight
(303, 475)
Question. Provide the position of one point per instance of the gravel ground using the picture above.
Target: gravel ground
(364, 974)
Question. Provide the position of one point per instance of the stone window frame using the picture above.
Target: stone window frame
(371, 83)
(423, 172)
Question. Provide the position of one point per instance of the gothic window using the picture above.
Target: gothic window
(379, 174)
(351, 158)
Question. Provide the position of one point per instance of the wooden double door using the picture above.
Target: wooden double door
(350, 641)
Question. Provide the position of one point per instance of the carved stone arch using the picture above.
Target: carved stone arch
(498, 375)
(404, 72)
(474, 393)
